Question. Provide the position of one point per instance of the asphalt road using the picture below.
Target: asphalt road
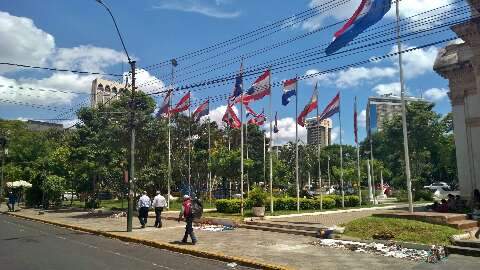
(30, 245)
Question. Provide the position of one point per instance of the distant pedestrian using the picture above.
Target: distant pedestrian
(187, 214)
(11, 201)
(158, 204)
(143, 205)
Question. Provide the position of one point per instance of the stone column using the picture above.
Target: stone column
(460, 64)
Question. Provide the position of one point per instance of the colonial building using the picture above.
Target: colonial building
(105, 91)
(460, 64)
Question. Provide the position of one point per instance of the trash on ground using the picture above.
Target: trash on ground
(391, 249)
(233, 265)
(213, 228)
(118, 215)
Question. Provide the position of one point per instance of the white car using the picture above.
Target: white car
(436, 185)
(67, 196)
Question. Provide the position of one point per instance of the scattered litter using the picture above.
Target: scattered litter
(118, 215)
(213, 228)
(233, 265)
(436, 254)
(388, 250)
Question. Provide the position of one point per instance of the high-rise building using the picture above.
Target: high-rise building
(384, 108)
(105, 91)
(325, 131)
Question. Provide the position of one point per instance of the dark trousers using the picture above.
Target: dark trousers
(143, 215)
(189, 231)
(158, 217)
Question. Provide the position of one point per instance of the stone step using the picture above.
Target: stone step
(279, 230)
(464, 224)
(468, 243)
(459, 217)
(284, 226)
(466, 251)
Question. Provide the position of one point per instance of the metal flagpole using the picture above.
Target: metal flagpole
(264, 157)
(296, 147)
(372, 172)
(404, 113)
(246, 142)
(169, 178)
(270, 148)
(358, 158)
(318, 151)
(341, 156)
(328, 172)
(241, 154)
(189, 148)
(209, 157)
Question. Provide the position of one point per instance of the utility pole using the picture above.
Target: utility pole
(404, 112)
(3, 144)
(132, 124)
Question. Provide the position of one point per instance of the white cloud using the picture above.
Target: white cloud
(286, 127)
(146, 81)
(362, 118)
(87, 57)
(216, 114)
(340, 13)
(22, 42)
(355, 76)
(335, 135)
(322, 78)
(205, 7)
(436, 94)
(417, 62)
(410, 8)
(389, 88)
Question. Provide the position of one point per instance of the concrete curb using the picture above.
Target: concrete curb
(203, 254)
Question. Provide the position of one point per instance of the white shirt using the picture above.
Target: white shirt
(144, 201)
(159, 201)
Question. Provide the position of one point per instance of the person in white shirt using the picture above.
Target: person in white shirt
(158, 204)
(143, 205)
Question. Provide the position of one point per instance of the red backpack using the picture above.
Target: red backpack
(187, 208)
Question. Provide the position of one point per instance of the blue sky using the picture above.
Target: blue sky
(80, 35)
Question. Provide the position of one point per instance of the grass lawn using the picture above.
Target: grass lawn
(403, 230)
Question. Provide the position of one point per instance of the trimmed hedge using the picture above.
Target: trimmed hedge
(232, 206)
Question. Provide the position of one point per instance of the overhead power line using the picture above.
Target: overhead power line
(60, 70)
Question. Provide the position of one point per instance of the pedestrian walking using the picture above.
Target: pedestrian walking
(11, 201)
(187, 214)
(158, 204)
(143, 206)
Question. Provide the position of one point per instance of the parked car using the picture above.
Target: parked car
(67, 196)
(434, 186)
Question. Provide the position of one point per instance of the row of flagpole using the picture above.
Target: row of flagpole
(365, 16)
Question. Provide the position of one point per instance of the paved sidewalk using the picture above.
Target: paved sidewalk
(292, 251)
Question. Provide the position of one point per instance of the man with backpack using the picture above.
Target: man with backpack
(190, 211)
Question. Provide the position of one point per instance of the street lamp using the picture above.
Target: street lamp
(132, 125)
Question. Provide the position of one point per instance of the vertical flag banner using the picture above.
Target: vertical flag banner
(250, 111)
(238, 88)
(289, 90)
(182, 105)
(260, 88)
(164, 108)
(367, 14)
(202, 110)
(275, 127)
(355, 124)
(332, 108)
(231, 118)
(258, 120)
(312, 105)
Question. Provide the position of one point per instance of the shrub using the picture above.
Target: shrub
(425, 195)
(337, 199)
(228, 206)
(328, 203)
(401, 195)
(287, 203)
(257, 197)
(307, 204)
(352, 201)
